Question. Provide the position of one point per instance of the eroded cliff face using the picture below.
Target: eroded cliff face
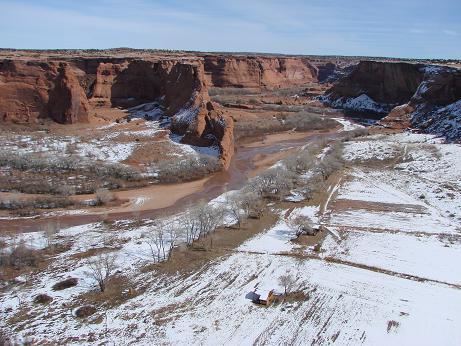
(67, 102)
(404, 95)
(33, 90)
(258, 72)
(72, 91)
(385, 83)
(129, 83)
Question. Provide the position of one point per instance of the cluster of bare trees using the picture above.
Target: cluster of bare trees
(195, 223)
(273, 182)
(277, 181)
(161, 238)
(18, 255)
(49, 202)
(299, 121)
(301, 162)
(199, 222)
(190, 168)
(61, 164)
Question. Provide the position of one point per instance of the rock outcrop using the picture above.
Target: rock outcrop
(181, 90)
(71, 91)
(383, 82)
(33, 90)
(67, 102)
(258, 72)
(426, 97)
(24, 89)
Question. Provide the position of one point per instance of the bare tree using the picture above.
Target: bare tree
(50, 230)
(302, 225)
(190, 225)
(252, 204)
(104, 196)
(156, 239)
(287, 281)
(235, 207)
(173, 234)
(100, 268)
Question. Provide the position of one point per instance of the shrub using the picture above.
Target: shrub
(20, 256)
(104, 196)
(62, 285)
(85, 311)
(302, 225)
(43, 299)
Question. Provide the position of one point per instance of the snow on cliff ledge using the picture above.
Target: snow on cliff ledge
(362, 103)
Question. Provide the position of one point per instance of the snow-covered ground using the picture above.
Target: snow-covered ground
(387, 273)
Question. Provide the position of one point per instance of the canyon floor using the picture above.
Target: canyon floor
(383, 268)
(387, 267)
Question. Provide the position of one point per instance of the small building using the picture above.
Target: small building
(263, 298)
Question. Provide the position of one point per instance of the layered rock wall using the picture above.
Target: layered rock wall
(72, 90)
(258, 72)
(405, 95)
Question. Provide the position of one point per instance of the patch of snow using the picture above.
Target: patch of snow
(399, 252)
(275, 240)
(186, 115)
(116, 152)
(348, 125)
(361, 103)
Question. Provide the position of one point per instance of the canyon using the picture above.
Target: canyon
(200, 177)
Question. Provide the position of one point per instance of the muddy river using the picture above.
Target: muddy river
(251, 156)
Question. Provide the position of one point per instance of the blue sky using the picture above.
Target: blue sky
(399, 28)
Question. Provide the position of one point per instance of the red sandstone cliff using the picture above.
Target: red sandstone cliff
(258, 72)
(388, 83)
(70, 91)
(67, 102)
(405, 95)
(33, 90)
